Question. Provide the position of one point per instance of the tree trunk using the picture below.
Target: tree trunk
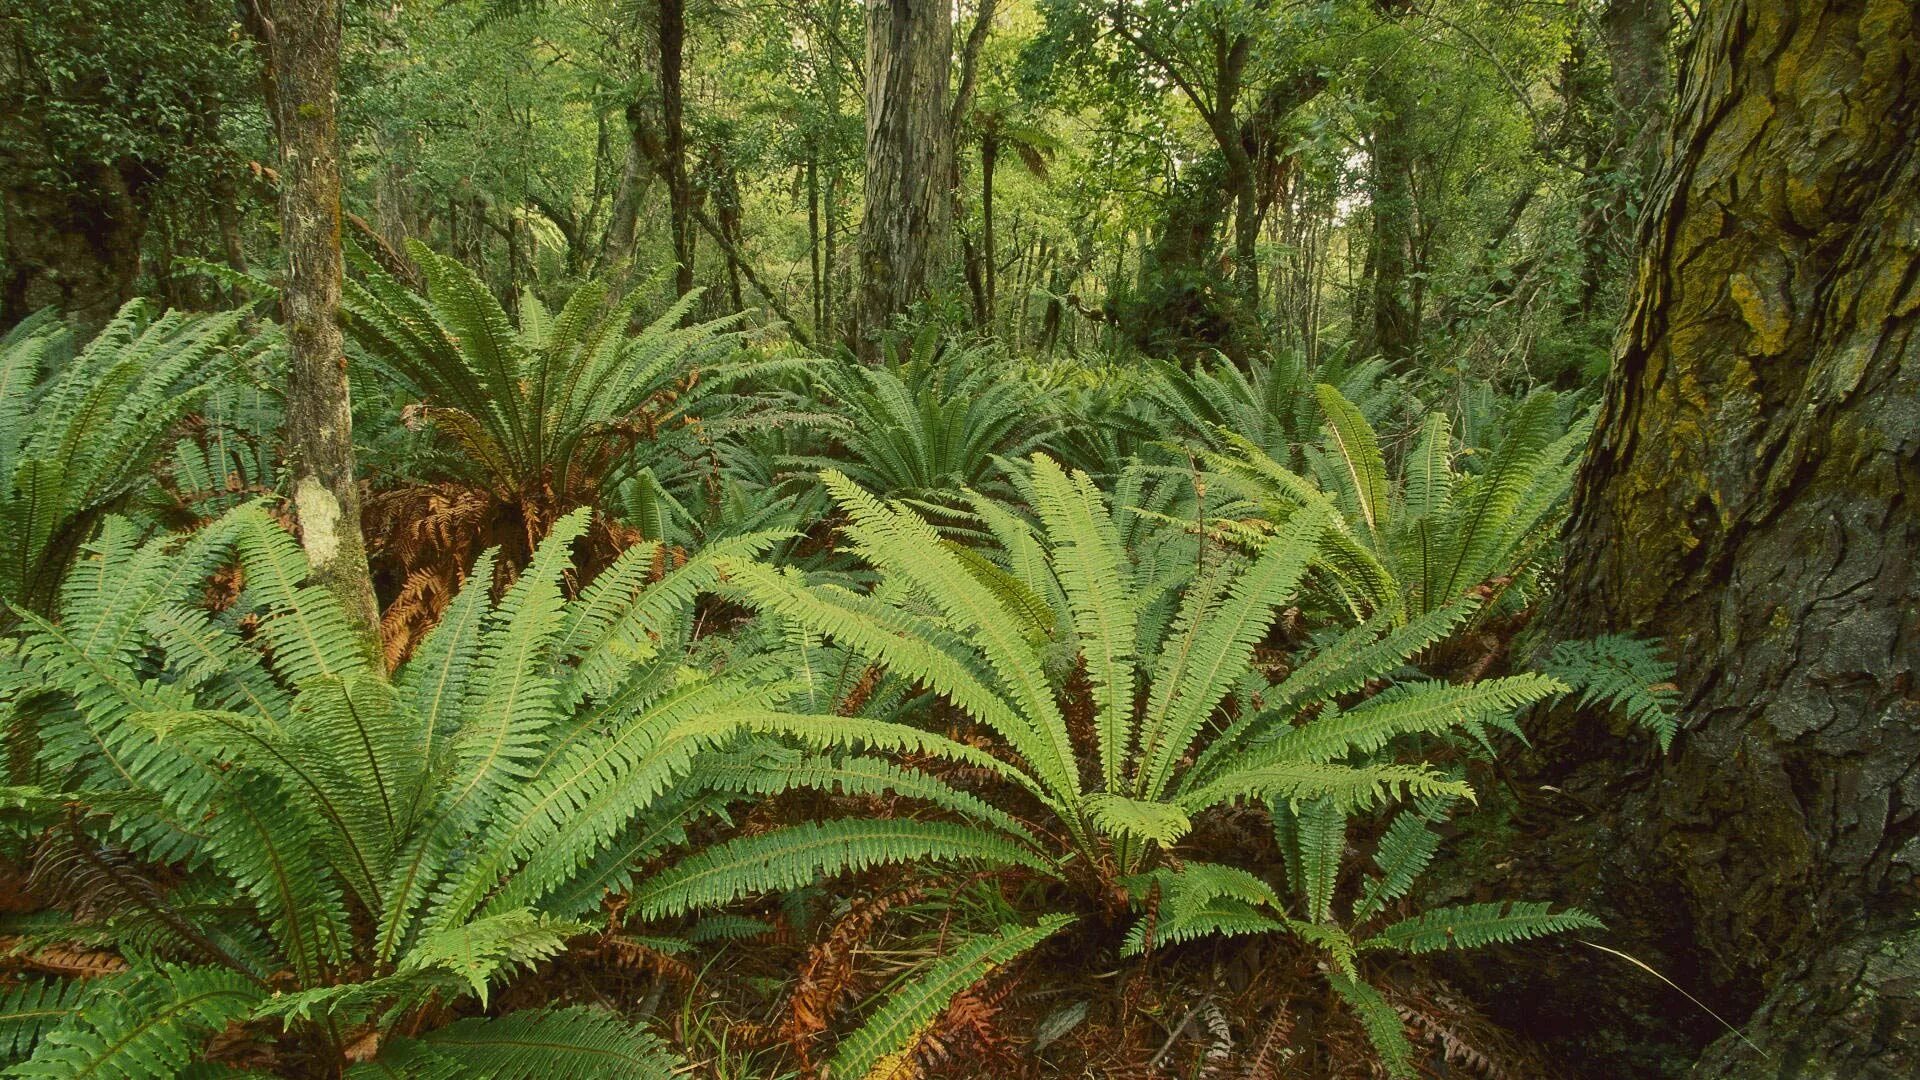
(813, 234)
(1639, 84)
(1750, 497)
(673, 37)
(989, 284)
(903, 233)
(305, 42)
(1392, 330)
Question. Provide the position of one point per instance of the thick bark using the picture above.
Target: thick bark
(305, 43)
(903, 233)
(1750, 497)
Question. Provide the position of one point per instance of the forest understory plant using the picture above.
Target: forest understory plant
(533, 421)
(290, 862)
(1446, 523)
(1117, 703)
(80, 429)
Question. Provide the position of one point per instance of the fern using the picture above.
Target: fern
(1476, 925)
(31, 1007)
(536, 1045)
(1626, 673)
(1441, 529)
(794, 856)
(141, 1025)
(1381, 1021)
(909, 1009)
(388, 843)
(81, 444)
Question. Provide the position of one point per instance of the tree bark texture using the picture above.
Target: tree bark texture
(673, 38)
(1634, 118)
(1392, 329)
(1752, 496)
(305, 45)
(903, 232)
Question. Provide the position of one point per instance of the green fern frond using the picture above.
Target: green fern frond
(1404, 852)
(481, 950)
(797, 855)
(1381, 1021)
(1118, 815)
(909, 1009)
(543, 1044)
(33, 1006)
(1472, 926)
(140, 1025)
(1627, 673)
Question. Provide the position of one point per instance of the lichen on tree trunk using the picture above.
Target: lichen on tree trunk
(1750, 497)
(305, 51)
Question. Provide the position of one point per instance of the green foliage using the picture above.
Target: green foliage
(1268, 402)
(557, 403)
(1415, 542)
(389, 842)
(80, 444)
(144, 1024)
(910, 1008)
(1626, 673)
(931, 423)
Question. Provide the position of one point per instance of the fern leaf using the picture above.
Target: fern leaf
(1472, 926)
(543, 1044)
(908, 1010)
(1380, 1020)
(1363, 468)
(791, 857)
(141, 1025)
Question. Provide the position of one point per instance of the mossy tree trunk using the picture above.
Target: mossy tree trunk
(903, 233)
(305, 53)
(1750, 497)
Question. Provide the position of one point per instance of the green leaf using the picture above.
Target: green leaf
(909, 1009)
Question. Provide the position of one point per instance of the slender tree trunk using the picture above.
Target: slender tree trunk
(305, 44)
(623, 220)
(1752, 496)
(673, 38)
(903, 234)
(1391, 331)
(989, 160)
(1639, 84)
(813, 234)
